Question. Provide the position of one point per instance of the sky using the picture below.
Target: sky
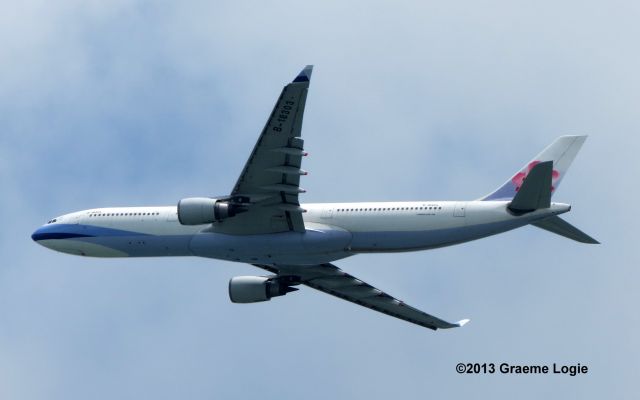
(143, 103)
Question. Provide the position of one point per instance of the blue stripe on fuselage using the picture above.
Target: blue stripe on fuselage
(381, 241)
(68, 231)
(55, 235)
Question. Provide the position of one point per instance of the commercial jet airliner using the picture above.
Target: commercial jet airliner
(261, 221)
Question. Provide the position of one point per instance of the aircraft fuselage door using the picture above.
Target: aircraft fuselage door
(172, 216)
(459, 209)
(327, 213)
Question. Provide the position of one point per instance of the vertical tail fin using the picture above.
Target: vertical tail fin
(562, 152)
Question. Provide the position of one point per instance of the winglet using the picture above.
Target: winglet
(305, 74)
(449, 325)
(462, 322)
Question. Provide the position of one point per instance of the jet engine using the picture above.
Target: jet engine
(204, 210)
(252, 289)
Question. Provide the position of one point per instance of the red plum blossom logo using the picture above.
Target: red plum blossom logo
(521, 176)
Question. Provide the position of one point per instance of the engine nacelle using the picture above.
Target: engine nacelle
(203, 210)
(252, 289)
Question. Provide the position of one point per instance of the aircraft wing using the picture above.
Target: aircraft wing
(269, 184)
(332, 280)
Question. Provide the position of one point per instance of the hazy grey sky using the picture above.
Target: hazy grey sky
(142, 103)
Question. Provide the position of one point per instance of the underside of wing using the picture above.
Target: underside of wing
(269, 184)
(332, 280)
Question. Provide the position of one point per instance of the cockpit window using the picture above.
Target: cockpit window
(52, 221)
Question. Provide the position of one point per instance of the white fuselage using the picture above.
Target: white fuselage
(333, 231)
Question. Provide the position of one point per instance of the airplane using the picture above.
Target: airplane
(262, 222)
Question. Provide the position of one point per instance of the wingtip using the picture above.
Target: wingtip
(462, 322)
(305, 74)
(449, 325)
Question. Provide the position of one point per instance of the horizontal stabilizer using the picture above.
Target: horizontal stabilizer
(535, 191)
(561, 227)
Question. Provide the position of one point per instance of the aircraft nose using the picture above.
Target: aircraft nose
(42, 234)
(37, 235)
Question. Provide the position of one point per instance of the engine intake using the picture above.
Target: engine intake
(253, 289)
(203, 210)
